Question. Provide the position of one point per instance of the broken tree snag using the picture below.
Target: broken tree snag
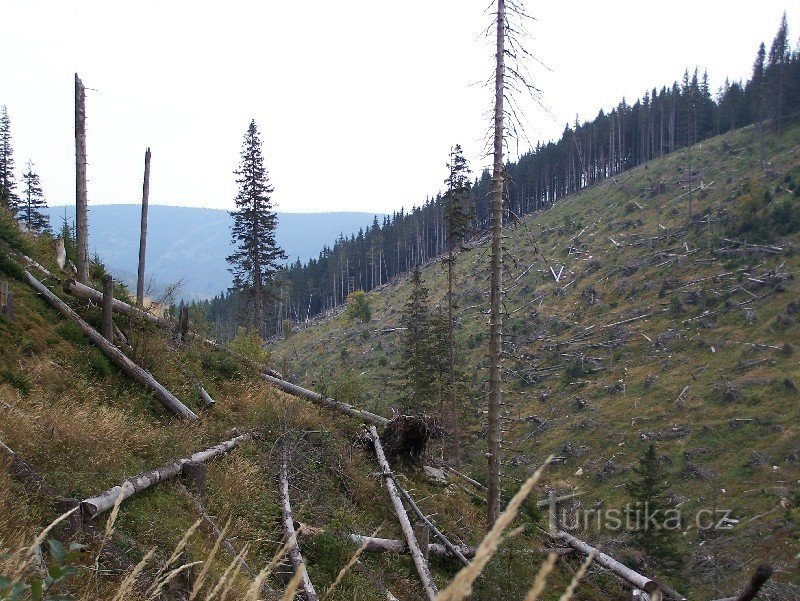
(143, 230)
(288, 530)
(633, 578)
(169, 400)
(182, 329)
(107, 320)
(405, 525)
(436, 532)
(314, 397)
(79, 290)
(81, 202)
(6, 301)
(130, 486)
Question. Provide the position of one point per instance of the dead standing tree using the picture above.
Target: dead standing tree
(510, 77)
(143, 231)
(81, 202)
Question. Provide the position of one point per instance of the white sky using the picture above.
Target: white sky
(358, 102)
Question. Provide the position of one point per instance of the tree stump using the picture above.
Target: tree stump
(194, 475)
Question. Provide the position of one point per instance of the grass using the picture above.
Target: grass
(630, 375)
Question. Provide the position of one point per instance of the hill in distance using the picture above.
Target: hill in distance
(190, 244)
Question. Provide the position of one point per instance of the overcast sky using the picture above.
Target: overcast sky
(358, 102)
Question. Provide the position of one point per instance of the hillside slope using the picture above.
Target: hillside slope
(673, 321)
(83, 426)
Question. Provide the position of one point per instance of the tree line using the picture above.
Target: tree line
(659, 123)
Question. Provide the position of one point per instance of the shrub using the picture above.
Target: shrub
(358, 306)
(17, 379)
(250, 345)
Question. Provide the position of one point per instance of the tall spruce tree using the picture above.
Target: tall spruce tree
(255, 261)
(457, 218)
(648, 490)
(418, 371)
(32, 202)
(8, 196)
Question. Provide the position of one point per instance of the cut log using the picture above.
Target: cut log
(169, 400)
(31, 263)
(633, 578)
(314, 397)
(288, 530)
(135, 484)
(207, 400)
(424, 519)
(75, 288)
(393, 545)
(405, 525)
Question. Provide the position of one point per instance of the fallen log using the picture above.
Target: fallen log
(455, 551)
(288, 530)
(405, 525)
(104, 501)
(374, 544)
(633, 578)
(328, 403)
(169, 400)
(85, 292)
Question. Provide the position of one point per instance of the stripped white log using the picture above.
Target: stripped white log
(75, 288)
(328, 403)
(288, 530)
(628, 575)
(405, 525)
(169, 400)
(207, 400)
(393, 545)
(130, 486)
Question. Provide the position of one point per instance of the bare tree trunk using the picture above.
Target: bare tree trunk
(107, 320)
(81, 202)
(393, 545)
(169, 400)
(143, 230)
(496, 293)
(405, 525)
(130, 486)
(288, 530)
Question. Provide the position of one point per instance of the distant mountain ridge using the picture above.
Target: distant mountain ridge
(190, 244)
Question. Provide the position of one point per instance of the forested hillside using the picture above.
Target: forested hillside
(663, 120)
(658, 307)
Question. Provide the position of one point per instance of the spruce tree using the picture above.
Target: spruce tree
(32, 202)
(8, 196)
(255, 260)
(418, 373)
(456, 216)
(648, 490)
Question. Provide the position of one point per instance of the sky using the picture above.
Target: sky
(358, 102)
